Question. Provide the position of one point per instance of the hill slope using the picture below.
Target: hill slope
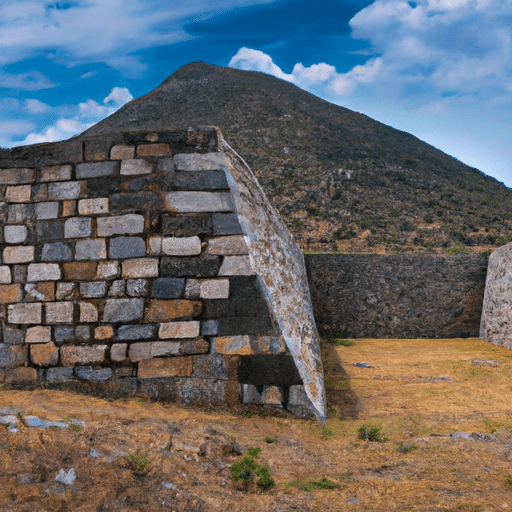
(341, 180)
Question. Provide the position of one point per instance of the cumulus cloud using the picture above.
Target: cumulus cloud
(35, 106)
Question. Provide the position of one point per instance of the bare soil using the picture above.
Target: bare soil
(445, 441)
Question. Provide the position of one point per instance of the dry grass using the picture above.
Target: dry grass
(191, 449)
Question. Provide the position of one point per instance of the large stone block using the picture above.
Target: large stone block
(72, 354)
(234, 345)
(123, 310)
(56, 173)
(122, 152)
(179, 330)
(196, 266)
(13, 355)
(93, 206)
(42, 291)
(236, 266)
(24, 313)
(17, 176)
(60, 374)
(136, 332)
(108, 270)
(214, 289)
(5, 275)
(195, 202)
(59, 312)
(140, 268)
(20, 213)
(234, 245)
(187, 225)
(19, 194)
(127, 247)
(77, 227)
(194, 162)
(43, 272)
(136, 166)
(226, 224)
(130, 223)
(10, 293)
(167, 310)
(166, 367)
(89, 374)
(95, 249)
(153, 150)
(21, 375)
(49, 230)
(168, 288)
(47, 210)
(46, 354)
(80, 270)
(15, 234)
(38, 334)
(88, 312)
(18, 254)
(64, 190)
(57, 251)
(96, 169)
(181, 246)
(200, 180)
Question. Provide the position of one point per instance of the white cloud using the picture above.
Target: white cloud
(29, 81)
(35, 106)
(118, 96)
(90, 74)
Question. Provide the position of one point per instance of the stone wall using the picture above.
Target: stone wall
(124, 268)
(398, 296)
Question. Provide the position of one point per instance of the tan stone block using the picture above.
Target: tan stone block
(10, 293)
(272, 395)
(154, 150)
(121, 152)
(140, 267)
(68, 208)
(103, 332)
(56, 173)
(155, 245)
(5, 275)
(108, 270)
(234, 345)
(179, 330)
(134, 167)
(19, 254)
(228, 245)
(93, 206)
(19, 194)
(24, 313)
(88, 312)
(59, 312)
(38, 334)
(181, 246)
(72, 354)
(165, 348)
(80, 270)
(139, 351)
(118, 352)
(168, 367)
(236, 266)
(17, 175)
(167, 310)
(40, 291)
(46, 354)
(215, 289)
(21, 374)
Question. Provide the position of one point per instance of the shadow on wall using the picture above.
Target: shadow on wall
(342, 402)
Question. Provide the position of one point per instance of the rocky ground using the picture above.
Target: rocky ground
(437, 413)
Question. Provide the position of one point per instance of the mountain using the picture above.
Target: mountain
(341, 181)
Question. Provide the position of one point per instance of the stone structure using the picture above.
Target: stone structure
(496, 322)
(153, 263)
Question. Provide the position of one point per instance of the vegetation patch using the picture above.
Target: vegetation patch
(248, 469)
(370, 433)
(312, 485)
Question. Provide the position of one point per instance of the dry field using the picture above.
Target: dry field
(445, 442)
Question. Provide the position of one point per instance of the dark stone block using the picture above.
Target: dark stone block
(247, 307)
(136, 332)
(64, 333)
(226, 224)
(127, 247)
(13, 355)
(39, 192)
(57, 251)
(218, 308)
(168, 288)
(200, 180)
(172, 138)
(88, 374)
(131, 202)
(187, 225)
(200, 266)
(231, 326)
(273, 370)
(103, 187)
(49, 230)
(83, 333)
(244, 287)
(160, 183)
(165, 390)
(262, 308)
(13, 336)
(210, 366)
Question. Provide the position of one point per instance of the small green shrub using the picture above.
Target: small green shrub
(370, 433)
(312, 485)
(341, 342)
(245, 470)
(404, 448)
(139, 460)
(326, 432)
(270, 440)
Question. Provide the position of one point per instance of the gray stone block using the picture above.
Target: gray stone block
(210, 366)
(13, 336)
(136, 332)
(251, 395)
(82, 333)
(91, 249)
(226, 224)
(127, 247)
(47, 210)
(136, 287)
(13, 355)
(49, 230)
(136, 166)
(168, 288)
(187, 225)
(88, 374)
(200, 180)
(117, 289)
(207, 266)
(298, 402)
(64, 190)
(64, 333)
(96, 169)
(93, 289)
(77, 227)
(15, 234)
(209, 328)
(24, 313)
(20, 213)
(57, 251)
(130, 223)
(59, 312)
(123, 310)
(61, 374)
(192, 202)
(43, 272)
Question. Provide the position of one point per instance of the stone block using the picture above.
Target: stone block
(168, 310)
(64, 190)
(73, 354)
(155, 245)
(18, 254)
(260, 369)
(97, 169)
(46, 354)
(153, 150)
(24, 313)
(59, 312)
(10, 293)
(137, 287)
(132, 167)
(139, 351)
(127, 247)
(47, 210)
(195, 162)
(168, 288)
(142, 267)
(196, 266)
(234, 345)
(143, 200)
(226, 224)
(213, 366)
(214, 289)
(209, 328)
(196, 202)
(77, 227)
(64, 333)
(95, 249)
(236, 266)
(43, 272)
(181, 246)
(17, 176)
(88, 312)
(60, 374)
(117, 289)
(93, 290)
(82, 332)
(19, 194)
(67, 291)
(21, 375)
(136, 332)
(13, 355)
(43, 291)
(49, 230)
(178, 330)
(122, 152)
(200, 180)
(234, 245)
(56, 173)
(298, 402)
(20, 213)
(130, 223)
(165, 348)
(193, 288)
(187, 225)
(38, 334)
(103, 332)
(68, 208)
(5, 275)
(123, 310)
(108, 270)
(273, 396)
(95, 206)
(13, 336)
(15, 234)
(57, 251)
(39, 192)
(80, 270)
(118, 352)
(251, 395)
(89, 374)
(194, 346)
(166, 367)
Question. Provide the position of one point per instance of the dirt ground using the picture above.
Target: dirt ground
(443, 423)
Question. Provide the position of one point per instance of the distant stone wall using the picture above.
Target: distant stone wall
(398, 296)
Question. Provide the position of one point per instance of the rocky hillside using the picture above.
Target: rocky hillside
(341, 181)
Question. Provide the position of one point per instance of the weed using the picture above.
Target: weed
(312, 485)
(404, 448)
(270, 440)
(139, 460)
(341, 342)
(245, 470)
(508, 480)
(71, 422)
(370, 433)
(326, 433)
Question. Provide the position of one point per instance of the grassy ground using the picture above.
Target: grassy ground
(420, 402)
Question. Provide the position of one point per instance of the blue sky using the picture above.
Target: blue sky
(439, 69)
